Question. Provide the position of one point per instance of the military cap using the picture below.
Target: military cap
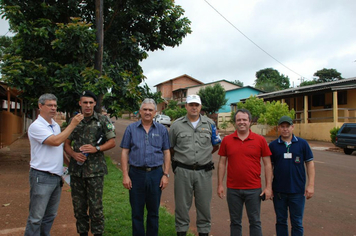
(88, 94)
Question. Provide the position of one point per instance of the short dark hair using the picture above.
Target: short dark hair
(243, 110)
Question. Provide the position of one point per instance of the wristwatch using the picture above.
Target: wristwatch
(97, 148)
(166, 175)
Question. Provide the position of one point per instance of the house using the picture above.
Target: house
(319, 107)
(11, 115)
(174, 89)
(234, 96)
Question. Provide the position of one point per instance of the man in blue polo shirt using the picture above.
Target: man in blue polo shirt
(145, 147)
(289, 154)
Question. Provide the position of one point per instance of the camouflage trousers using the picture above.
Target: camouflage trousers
(88, 193)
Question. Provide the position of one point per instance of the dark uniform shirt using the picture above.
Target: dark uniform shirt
(88, 132)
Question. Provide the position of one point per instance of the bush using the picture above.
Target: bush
(333, 133)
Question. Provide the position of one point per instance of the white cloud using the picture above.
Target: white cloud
(304, 35)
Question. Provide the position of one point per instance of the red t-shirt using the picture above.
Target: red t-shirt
(244, 160)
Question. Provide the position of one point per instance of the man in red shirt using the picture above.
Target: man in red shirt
(243, 150)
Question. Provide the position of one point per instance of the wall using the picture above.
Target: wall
(235, 96)
(11, 127)
(167, 87)
(311, 131)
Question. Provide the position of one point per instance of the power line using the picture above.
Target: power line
(251, 39)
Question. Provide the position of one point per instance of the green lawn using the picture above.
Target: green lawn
(117, 209)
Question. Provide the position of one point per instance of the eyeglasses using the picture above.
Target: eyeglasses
(51, 105)
(86, 103)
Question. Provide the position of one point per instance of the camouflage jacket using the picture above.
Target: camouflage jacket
(89, 132)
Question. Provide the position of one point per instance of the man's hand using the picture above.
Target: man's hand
(77, 119)
(78, 156)
(309, 192)
(164, 182)
(268, 192)
(127, 182)
(220, 191)
(88, 148)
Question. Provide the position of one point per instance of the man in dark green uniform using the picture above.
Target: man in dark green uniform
(87, 167)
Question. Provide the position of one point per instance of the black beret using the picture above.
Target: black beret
(88, 94)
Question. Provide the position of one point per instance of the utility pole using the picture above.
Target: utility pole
(99, 25)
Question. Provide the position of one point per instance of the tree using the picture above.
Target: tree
(212, 98)
(308, 82)
(238, 83)
(54, 45)
(174, 111)
(269, 76)
(274, 111)
(146, 93)
(327, 75)
(255, 105)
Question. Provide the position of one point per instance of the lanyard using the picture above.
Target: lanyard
(288, 146)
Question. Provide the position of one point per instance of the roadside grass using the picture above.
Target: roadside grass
(117, 209)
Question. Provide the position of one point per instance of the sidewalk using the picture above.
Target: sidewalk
(14, 186)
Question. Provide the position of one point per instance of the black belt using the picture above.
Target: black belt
(145, 168)
(195, 166)
(47, 172)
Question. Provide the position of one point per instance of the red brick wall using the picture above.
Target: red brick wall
(177, 83)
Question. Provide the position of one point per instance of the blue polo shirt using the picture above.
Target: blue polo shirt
(289, 173)
(145, 149)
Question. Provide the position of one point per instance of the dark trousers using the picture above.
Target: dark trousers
(145, 191)
(295, 204)
(87, 193)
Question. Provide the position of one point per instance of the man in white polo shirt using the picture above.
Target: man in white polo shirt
(46, 140)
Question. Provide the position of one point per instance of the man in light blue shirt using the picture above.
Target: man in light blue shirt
(145, 162)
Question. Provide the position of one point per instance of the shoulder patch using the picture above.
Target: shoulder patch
(109, 126)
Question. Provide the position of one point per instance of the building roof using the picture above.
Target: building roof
(342, 84)
(248, 86)
(212, 83)
(185, 75)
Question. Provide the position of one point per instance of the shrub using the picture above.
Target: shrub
(333, 133)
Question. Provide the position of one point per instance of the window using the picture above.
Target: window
(348, 130)
(342, 97)
(318, 100)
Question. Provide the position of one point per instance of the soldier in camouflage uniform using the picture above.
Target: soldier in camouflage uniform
(87, 167)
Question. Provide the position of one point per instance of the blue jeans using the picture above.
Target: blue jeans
(45, 194)
(235, 200)
(145, 191)
(295, 203)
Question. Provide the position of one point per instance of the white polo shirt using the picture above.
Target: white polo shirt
(45, 157)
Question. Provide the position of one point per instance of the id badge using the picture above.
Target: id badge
(288, 155)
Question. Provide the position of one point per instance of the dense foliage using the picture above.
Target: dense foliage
(212, 98)
(270, 80)
(54, 45)
(324, 75)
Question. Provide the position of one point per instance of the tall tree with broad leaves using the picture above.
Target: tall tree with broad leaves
(270, 80)
(54, 45)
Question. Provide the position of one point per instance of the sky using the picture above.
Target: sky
(295, 37)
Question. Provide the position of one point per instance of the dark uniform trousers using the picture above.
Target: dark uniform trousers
(88, 192)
